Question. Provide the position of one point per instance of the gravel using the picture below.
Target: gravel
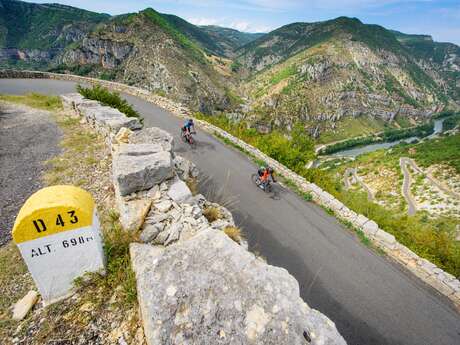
(28, 137)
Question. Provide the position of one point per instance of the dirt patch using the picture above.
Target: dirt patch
(28, 137)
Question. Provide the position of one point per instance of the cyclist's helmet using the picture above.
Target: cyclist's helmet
(190, 122)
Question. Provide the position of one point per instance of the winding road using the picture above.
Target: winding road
(352, 172)
(371, 299)
(407, 181)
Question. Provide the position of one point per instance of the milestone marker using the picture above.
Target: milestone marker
(58, 234)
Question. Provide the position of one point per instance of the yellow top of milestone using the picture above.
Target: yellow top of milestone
(52, 210)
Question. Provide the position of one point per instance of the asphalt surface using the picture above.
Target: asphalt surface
(371, 299)
(411, 208)
(27, 139)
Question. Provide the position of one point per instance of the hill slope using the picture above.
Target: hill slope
(336, 74)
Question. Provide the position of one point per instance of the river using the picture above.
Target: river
(356, 151)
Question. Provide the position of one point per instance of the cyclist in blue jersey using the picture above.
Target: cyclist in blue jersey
(188, 126)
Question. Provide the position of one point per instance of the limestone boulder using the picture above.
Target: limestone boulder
(122, 137)
(132, 212)
(138, 149)
(153, 135)
(209, 290)
(70, 102)
(184, 168)
(136, 173)
(179, 192)
(116, 123)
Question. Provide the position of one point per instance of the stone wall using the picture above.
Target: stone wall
(195, 284)
(442, 281)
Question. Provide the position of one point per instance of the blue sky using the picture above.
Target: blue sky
(439, 18)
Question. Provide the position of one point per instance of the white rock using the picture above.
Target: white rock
(163, 206)
(174, 233)
(150, 231)
(385, 237)
(138, 149)
(137, 173)
(370, 228)
(179, 192)
(23, 306)
(132, 212)
(153, 135)
(185, 288)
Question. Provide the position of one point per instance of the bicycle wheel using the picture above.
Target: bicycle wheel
(255, 179)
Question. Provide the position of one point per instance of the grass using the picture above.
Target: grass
(350, 127)
(283, 74)
(35, 100)
(431, 238)
(119, 274)
(193, 185)
(211, 213)
(443, 150)
(234, 233)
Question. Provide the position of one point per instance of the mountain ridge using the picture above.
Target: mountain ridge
(327, 75)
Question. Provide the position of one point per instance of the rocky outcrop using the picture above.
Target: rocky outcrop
(209, 290)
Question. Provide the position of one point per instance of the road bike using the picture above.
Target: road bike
(187, 137)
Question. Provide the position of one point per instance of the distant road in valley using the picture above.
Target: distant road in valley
(371, 299)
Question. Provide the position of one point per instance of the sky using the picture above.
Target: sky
(438, 18)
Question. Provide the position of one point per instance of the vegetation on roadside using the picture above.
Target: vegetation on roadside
(431, 237)
(451, 122)
(234, 233)
(34, 100)
(211, 213)
(295, 151)
(109, 98)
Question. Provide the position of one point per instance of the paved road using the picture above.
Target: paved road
(352, 172)
(411, 208)
(371, 300)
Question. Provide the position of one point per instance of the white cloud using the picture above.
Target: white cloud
(202, 21)
(239, 25)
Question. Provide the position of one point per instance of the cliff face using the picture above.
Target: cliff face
(34, 34)
(145, 50)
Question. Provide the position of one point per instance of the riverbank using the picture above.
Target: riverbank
(388, 138)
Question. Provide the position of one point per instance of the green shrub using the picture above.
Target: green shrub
(106, 97)
(294, 152)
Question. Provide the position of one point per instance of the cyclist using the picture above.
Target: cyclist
(188, 126)
(267, 174)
